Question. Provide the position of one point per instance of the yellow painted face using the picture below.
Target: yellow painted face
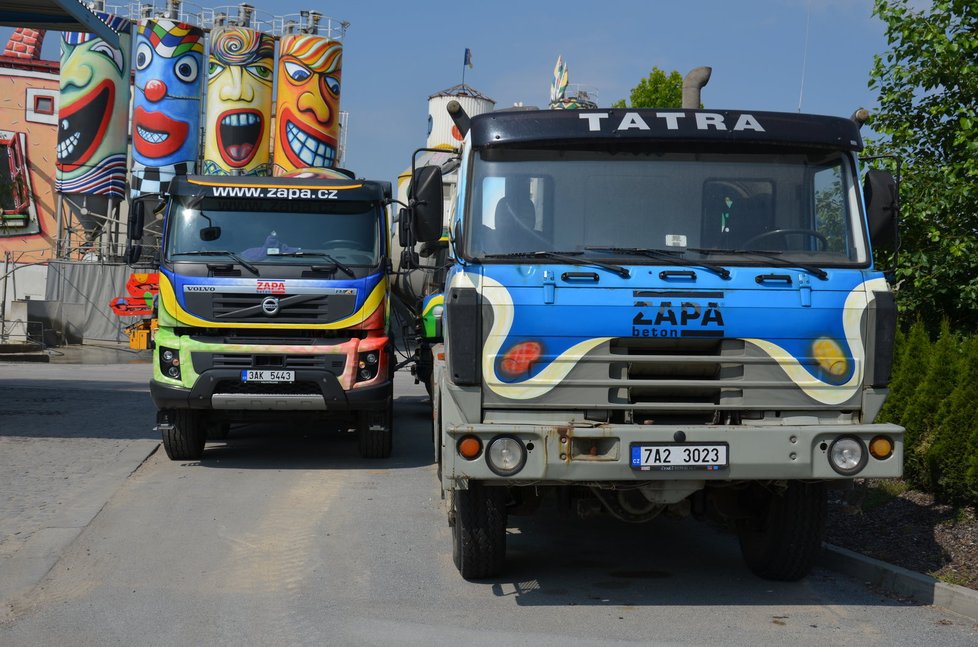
(239, 102)
(307, 109)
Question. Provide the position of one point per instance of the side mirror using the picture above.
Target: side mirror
(210, 233)
(404, 228)
(134, 250)
(409, 259)
(427, 204)
(137, 219)
(880, 192)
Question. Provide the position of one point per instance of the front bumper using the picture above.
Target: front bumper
(569, 454)
(323, 393)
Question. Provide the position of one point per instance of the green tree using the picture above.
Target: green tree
(920, 418)
(657, 90)
(947, 457)
(927, 84)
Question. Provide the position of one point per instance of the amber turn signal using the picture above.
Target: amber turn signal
(469, 447)
(881, 447)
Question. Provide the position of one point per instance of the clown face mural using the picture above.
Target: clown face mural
(93, 115)
(308, 103)
(166, 104)
(239, 102)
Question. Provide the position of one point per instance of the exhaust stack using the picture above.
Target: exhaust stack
(457, 113)
(692, 84)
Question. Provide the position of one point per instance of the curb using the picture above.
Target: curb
(900, 581)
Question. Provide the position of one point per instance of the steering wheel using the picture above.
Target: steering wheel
(784, 233)
(343, 242)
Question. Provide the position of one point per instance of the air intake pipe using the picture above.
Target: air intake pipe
(692, 84)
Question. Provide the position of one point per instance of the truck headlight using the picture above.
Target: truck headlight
(506, 455)
(169, 359)
(368, 364)
(847, 455)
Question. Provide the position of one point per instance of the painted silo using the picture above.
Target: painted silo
(167, 86)
(442, 132)
(239, 102)
(307, 107)
(93, 112)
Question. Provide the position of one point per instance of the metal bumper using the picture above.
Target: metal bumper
(569, 454)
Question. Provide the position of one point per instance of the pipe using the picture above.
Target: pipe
(692, 84)
(458, 115)
(860, 116)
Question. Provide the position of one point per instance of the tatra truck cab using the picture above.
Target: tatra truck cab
(273, 306)
(660, 311)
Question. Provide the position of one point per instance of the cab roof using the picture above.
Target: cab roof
(639, 126)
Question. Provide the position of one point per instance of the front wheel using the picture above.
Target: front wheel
(782, 540)
(479, 530)
(183, 434)
(376, 432)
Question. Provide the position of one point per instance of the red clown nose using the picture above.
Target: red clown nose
(155, 90)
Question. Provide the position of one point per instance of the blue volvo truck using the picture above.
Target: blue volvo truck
(660, 311)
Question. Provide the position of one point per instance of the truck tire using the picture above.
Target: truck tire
(479, 531)
(784, 538)
(184, 437)
(376, 432)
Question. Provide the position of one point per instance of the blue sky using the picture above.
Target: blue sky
(396, 54)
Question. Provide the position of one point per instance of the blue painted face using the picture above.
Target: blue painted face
(168, 87)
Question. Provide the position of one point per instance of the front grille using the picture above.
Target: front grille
(240, 307)
(686, 380)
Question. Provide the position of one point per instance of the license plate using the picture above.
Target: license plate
(679, 456)
(266, 375)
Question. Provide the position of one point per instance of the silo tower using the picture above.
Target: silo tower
(442, 132)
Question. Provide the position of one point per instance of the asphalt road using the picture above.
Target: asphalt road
(283, 536)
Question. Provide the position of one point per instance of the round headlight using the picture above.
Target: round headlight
(506, 455)
(371, 358)
(847, 455)
(168, 355)
(173, 372)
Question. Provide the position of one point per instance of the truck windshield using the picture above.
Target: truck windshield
(791, 208)
(295, 232)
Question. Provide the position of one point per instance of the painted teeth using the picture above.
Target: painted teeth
(240, 119)
(310, 150)
(67, 146)
(152, 136)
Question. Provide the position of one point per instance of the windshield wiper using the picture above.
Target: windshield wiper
(220, 252)
(670, 256)
(771, 256)
(567, 257)
(342, 266)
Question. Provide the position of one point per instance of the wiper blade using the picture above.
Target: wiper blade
(771, 256)
(342, 266)
(671, 256)
(568, 257)
(220, 252)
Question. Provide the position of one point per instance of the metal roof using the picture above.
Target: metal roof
(55, 15)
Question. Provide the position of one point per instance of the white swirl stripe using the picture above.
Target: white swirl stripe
(856, 303)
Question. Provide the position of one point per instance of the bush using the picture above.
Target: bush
(948, 455)
(920, 418)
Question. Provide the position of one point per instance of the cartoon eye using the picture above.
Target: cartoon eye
(333, 84)
(296, 72)
(213, 69)
(112, 53)
(144, 55)
(260, 72)
(186, 69)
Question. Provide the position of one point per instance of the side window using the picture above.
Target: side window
(830, 208)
